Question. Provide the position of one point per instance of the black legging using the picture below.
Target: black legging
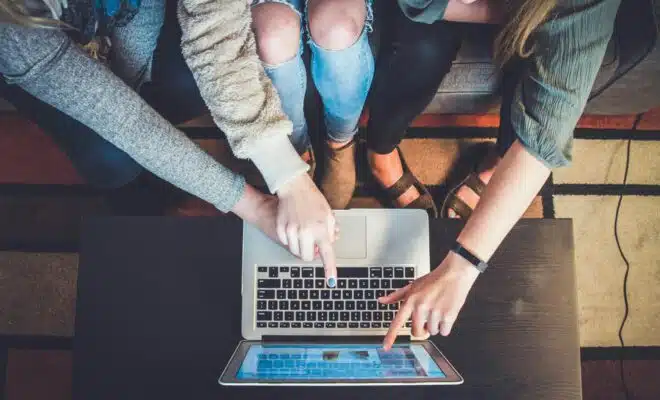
(413, 60)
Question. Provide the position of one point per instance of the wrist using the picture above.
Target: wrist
(462, 267)
(250, 204)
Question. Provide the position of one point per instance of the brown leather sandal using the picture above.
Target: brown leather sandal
(408, 180)
(455, 203)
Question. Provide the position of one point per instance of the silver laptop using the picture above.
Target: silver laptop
(298, 331)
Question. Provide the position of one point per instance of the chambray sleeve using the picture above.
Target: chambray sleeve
(557, 78)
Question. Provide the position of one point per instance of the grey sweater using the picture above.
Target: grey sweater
(219, 46)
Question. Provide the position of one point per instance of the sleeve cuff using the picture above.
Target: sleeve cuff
(278, 162)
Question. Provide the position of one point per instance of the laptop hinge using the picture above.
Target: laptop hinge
(331, 339)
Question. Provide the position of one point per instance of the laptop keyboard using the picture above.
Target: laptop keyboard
(298, 297)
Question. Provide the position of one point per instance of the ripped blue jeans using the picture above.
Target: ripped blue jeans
(342, 78)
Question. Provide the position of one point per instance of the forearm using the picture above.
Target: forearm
(220, 49)
(58, 73)
(514, 184)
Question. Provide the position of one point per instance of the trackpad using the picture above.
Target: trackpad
(352, 243)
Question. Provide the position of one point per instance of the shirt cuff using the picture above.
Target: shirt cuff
(278, 162)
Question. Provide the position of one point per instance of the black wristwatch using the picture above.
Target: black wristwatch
(478, 263)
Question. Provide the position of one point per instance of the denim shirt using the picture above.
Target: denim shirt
(556, 80)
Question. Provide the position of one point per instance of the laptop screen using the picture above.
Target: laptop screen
(318, 362)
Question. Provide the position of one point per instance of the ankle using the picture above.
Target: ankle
(382, 162)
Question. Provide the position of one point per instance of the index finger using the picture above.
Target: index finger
(401, 317)
(327, 253)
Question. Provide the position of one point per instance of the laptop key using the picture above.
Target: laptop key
(309, 284)
(363, 284)
(272, 304)
(284, 269)
(366, 316)
(361, 305)
(385, 283)
(319, 325)
(365, 325)
(342, 325)
(399, 283)
(287, 284)
(339, 305)
(272, 272)
(308, 325)
(398, 272)
(298, 283)
(325, 294)
(322, 315)
(295, 272)
(388, 272)
(264, 316)
(265, 294)
(347, 294)
(303, 294)
(296, 324)
(386, 324)
(374, 284)
(314, 294)
(330, 324)
(306, 305)
(295, 305)
(268, 283)
(350, 305)
(336, 294)
(261, 305)
(353, 325)
(394, 306)
(292, 294)
(410, 272)
(327, 305)
(375, 324)
(334, 316)
(378, 316)
(319, 284)
(352, 272)
(408, 324)
(272, 324)
(307, 272)
(284, 305)
(317, 305)
(341, 284)
(262, 269)
(344, 316)
(284, 324)
(355, 316)
(376, 272)
(380, 293)
(311, 316)
(352, 284)
(369, 294)
(300, 315)
(372, 305)
(320, 273)
(389, 315)
(382, 306)
(288, 316)
(262, 324)
(278, 316)
(358, 294)
(281, 294)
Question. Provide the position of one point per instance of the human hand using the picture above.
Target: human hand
(305, 223)
(433, 300)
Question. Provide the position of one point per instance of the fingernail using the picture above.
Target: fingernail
(332, 282)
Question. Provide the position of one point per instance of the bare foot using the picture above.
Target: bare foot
(387, 169)
(468, 195)
(306, 156)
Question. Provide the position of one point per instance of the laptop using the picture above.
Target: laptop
(298, 331)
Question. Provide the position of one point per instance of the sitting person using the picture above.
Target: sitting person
(43, 61)
(342, 68)
(551, 52)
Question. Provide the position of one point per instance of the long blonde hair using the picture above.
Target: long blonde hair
(15, 12)
(525, 16)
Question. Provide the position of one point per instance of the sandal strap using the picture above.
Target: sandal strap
(460, 207)
(404, 183)
(475, 183)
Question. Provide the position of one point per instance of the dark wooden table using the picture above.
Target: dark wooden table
(158, 315)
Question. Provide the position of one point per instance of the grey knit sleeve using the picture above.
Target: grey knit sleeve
(555, 85)
(45, 63)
